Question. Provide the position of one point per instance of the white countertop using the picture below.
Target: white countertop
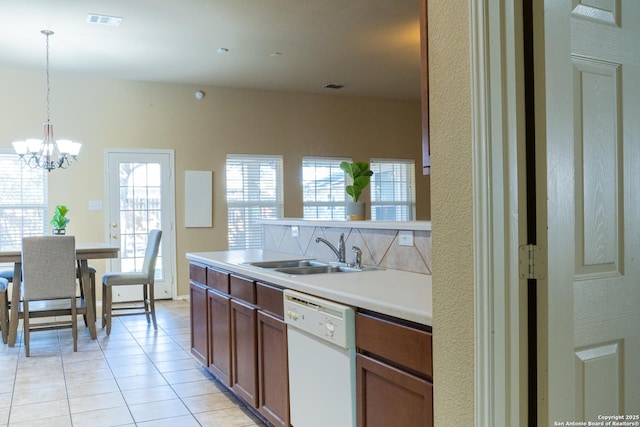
(393, 292)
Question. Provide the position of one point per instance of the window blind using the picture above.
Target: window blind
(23, 205)
(323, 188)
(393, 190)
(254, 191)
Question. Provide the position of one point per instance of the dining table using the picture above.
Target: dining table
(84, 253)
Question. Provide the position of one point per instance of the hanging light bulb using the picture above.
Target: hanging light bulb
(46, 153)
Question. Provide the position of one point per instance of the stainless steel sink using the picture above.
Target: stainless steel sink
(288, 264)
(308, 266)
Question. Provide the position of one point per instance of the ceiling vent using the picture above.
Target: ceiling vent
(112, 21)
(333, 86)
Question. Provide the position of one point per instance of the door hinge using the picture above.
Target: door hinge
(531, 261)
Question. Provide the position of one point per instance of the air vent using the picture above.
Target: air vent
(112, 21)
(333, 86)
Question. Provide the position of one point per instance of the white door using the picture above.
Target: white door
(589, 317)
(140, 198)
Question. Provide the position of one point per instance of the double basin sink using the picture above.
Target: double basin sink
(306, 266)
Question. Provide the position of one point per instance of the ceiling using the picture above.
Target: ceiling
(369, 46)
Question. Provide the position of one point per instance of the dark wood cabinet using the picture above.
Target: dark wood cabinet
(424, 83)
(393, 372)
(198, 313)
(273, 372)
(388, 396)
(219, 308)
(244, 364)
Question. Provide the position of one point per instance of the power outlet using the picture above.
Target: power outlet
(294, 231)
(405, 238)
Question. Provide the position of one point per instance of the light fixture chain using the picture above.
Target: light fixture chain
(48, 86)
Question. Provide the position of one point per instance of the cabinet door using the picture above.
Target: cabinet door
(198, 295)
(244, 365)
(387, 396)
(219, 306)
(273, 373)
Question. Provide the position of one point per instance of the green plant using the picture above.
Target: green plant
(360, 177)
(59, 220)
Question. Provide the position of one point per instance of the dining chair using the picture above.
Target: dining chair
(49, 285)
(4, 308)
(146, 278)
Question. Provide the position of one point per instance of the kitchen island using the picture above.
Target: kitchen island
(396, 293)
(240, 332)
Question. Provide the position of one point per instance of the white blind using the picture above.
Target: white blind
(323, 188)
(393, 190)
(254, 191)
(23, 201)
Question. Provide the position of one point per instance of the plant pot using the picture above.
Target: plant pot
(356, 211)
(59, 231)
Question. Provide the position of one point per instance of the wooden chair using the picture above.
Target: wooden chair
(49, 285)
(146, 278)
(4, 308)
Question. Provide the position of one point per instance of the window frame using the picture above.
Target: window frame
(245, 232)
(396, 203)
(336, 189)
(17, 172)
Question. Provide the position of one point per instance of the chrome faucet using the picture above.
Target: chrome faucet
(358, 252)
(340, 251)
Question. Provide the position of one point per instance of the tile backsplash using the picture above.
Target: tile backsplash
(380, 247)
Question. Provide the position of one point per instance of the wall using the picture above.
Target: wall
(452, 212)
(108, 113)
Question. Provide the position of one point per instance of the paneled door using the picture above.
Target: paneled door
(590, 312)
(140, 198)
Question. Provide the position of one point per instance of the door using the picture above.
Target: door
(140, 198)
(589, 304)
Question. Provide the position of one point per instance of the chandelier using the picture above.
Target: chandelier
(46, 153)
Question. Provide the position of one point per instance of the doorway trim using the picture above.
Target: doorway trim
(171, 204)
(497, 133)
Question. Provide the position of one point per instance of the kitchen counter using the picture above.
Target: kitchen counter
(395, 293)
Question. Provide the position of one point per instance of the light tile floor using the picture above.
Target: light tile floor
(134, 377)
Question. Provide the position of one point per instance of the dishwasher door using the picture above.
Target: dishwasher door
(320, 340)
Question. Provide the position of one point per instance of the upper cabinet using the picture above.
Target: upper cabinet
(424, 79)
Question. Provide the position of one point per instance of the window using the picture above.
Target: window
(393, 190)
(254, 191)
(23, 205)
(323, 183)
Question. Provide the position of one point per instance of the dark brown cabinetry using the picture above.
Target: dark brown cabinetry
(393, 372)
(219, 318)
(424, 81)
(198, 312)
(244, 338)
(273, 372)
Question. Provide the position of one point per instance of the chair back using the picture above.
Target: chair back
(151, 255)
(48, 267)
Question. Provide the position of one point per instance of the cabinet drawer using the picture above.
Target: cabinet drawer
(270, 299)
(218, 280)
(401, 344)
(198, 273)
(243, 288)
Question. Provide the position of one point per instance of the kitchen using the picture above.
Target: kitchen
(167, 116)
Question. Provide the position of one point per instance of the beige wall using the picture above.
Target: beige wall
(108, 113)
(452, 219)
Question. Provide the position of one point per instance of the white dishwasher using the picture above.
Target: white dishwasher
(322, 358)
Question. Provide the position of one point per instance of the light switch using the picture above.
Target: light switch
(294, 231)
(95, 205)
(405, 238)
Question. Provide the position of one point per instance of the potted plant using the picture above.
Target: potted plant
(59, 220)
(360, 175)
